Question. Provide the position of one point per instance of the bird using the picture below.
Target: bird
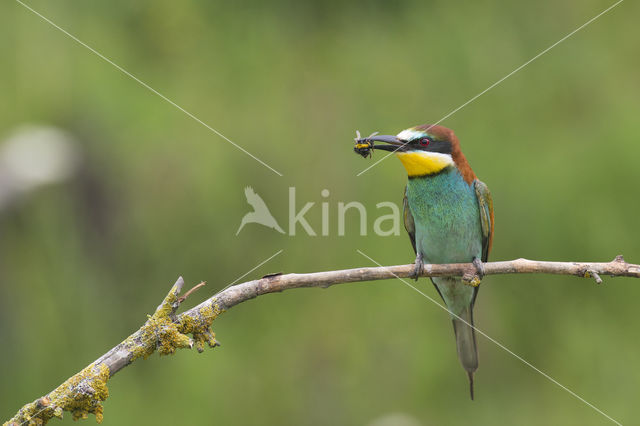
(260, 213)
(448, 214)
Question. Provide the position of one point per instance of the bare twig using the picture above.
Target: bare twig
(165, 331)
(188, 293)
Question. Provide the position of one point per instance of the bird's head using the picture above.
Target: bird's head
(424, 150)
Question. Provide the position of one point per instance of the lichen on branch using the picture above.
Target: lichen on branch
(82, 394)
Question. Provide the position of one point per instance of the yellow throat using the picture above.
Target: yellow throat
(421, 163)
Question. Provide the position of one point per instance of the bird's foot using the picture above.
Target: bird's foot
(473, 277)
(479, 267)
(419, 266)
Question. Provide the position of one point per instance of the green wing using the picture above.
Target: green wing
(409, 224)
(485, 204)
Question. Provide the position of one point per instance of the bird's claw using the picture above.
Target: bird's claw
(474, 277)
(417, 270)
(471, 279)
(479, 267)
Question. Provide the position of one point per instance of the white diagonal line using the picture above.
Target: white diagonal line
(145, 85)
(251, 270)
(498, 344)
(32, 416)
(505, 77)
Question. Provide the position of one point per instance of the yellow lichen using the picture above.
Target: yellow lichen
(200, 325)
(137, 345)
(81, 395)
(159, 332)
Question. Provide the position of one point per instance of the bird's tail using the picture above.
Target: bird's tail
(466, 343)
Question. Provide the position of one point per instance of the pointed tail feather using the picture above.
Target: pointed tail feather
(466, 343)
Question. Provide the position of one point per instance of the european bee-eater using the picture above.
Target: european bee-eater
(448, 214)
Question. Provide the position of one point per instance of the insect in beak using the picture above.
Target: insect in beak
(364, 146)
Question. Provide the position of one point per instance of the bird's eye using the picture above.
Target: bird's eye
(424, 141)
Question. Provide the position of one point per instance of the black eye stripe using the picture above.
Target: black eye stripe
(428, 144)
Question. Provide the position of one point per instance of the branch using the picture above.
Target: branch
(165, 331)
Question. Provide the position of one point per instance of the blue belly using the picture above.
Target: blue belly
(446, 216)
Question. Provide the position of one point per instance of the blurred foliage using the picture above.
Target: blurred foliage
(159, 195)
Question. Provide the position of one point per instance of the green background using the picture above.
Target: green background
(82, 263)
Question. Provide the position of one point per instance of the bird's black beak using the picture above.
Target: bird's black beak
(394, 144)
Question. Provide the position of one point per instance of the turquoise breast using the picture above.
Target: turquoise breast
(446, 216)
